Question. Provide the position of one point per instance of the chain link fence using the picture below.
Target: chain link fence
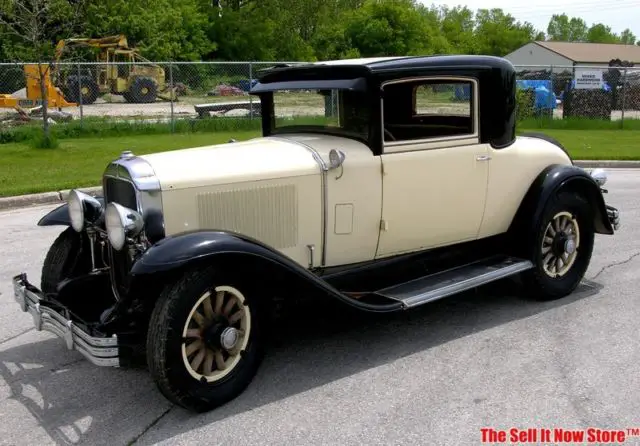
(593, 92)
(171, 91)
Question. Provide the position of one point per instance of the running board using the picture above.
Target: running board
(453, 281)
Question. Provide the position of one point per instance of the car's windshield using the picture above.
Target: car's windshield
(334, 111)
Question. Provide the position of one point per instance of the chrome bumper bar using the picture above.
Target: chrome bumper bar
(101, 351)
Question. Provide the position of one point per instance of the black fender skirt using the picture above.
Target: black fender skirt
(179, 250)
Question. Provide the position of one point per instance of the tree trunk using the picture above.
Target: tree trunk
(45, 101)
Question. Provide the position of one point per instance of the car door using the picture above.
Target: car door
(435, 171)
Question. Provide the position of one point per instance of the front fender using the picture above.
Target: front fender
(60, 215)
(180, 250)
(548, 182)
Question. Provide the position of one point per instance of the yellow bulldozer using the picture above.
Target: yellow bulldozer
(33, 93)
(120, 70)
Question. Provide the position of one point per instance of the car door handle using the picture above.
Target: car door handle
(483, 157)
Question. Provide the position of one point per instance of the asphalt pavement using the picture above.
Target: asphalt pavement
(436, 375)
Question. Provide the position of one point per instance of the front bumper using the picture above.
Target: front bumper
(101, 351)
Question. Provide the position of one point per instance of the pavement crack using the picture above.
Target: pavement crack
(16, 336)
(612, 264)
(135, 439)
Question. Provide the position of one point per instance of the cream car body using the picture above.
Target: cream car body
(407, 185)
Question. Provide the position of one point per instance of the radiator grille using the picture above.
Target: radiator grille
(121, 192)
(268, 213)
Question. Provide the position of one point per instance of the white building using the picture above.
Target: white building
(566, 55)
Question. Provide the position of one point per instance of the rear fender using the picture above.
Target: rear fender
(60, 215)
(174, 253)
(551, 180)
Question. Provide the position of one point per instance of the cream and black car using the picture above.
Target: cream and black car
(402, 183)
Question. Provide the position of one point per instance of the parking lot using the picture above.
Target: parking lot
(435, 375)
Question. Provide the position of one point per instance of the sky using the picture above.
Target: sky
(618, 14)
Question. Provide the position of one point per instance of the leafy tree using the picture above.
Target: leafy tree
(36, 25)
(161, 29)
(600, 33)
(627, 37)
(563, 29)
(498, 33)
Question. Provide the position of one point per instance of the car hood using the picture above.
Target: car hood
(255, 159)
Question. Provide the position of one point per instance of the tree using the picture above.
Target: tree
(38, 23)
(599, 33)
(563, 29)
(498, 34)
(627, 37)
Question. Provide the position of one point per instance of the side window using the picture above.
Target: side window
(428, 109)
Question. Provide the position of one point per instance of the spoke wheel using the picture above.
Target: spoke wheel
(216, 333)
(206, 337)
(561, 247)
(560, 244)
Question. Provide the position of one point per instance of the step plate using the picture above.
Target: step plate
(452, 281)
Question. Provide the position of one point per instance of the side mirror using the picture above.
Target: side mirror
(336, 158)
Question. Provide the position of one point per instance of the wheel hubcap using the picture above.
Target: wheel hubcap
(560, 244)
(215, 334)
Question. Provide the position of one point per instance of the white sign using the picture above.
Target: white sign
(588, 79)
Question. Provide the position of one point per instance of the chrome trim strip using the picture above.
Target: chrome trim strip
(324, 169)
(99, 351)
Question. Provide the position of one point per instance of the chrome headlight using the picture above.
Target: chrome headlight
(599, 175)
(121, 223)
(83, 208)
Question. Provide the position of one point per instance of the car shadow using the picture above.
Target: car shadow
(323, 343)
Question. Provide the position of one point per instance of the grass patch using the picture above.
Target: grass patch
(105, 127)
(579, 124)
(598, 144)
(80, 162)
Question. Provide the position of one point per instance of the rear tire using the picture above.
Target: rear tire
(66, 258)
(185, 351)
(563, 244)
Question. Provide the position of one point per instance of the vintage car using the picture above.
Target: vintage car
(385, 200)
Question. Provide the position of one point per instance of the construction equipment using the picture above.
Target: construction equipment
(55, 97)
(120, 70)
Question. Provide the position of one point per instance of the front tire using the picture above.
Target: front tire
(562, 249)
(205, 343)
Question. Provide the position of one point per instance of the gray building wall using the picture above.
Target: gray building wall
(533, 57)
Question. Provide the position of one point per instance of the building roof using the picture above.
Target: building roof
(583, 52)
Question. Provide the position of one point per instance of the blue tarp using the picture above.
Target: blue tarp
(544, 95)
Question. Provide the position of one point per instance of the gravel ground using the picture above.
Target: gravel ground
(436, 375)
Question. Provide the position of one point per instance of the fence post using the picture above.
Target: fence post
(171, 93)
(552, 95)
(80, 96)
(250, 96)
(624, 93)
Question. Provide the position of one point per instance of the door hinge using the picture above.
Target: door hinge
(384, 225)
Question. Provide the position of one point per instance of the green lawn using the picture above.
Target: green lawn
(598, 144)
(80, 161)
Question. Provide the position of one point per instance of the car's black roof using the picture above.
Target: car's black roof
(367, 67)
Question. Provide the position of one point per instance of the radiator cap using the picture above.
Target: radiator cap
(127, 154)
